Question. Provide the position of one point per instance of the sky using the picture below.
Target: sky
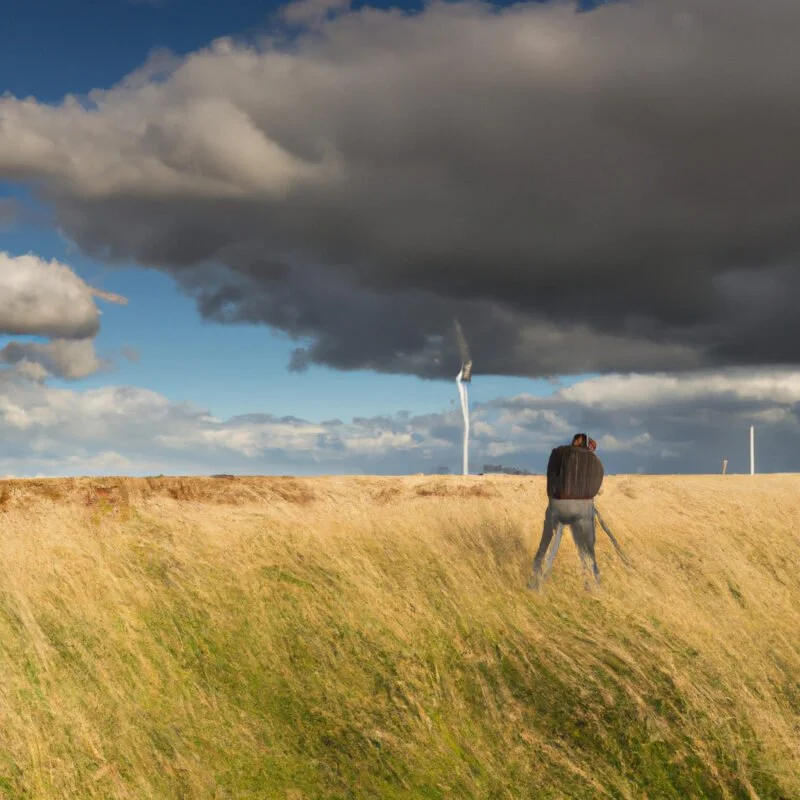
(237, 237)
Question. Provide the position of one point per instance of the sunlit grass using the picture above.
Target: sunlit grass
(372, 638)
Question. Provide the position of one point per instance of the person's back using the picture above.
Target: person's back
(573, 473)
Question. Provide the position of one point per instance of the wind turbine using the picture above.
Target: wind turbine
(464, 377)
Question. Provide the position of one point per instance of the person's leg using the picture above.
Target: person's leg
(548, 530)
(553, 552)
(583, 532)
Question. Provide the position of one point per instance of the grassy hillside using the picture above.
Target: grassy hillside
(372, 638)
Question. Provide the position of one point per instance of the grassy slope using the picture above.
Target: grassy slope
(364, 637)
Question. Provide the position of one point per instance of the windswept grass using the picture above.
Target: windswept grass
(372, 638)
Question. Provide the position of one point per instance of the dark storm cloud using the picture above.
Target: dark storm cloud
(615, 190)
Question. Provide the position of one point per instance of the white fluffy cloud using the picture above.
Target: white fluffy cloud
(48, 299)
(126, 430)
(615, 392)
(45, 298)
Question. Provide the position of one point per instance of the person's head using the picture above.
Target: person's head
(592, 445)
(579, 440)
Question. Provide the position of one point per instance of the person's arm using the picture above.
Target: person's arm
(552, 464)
(552, 469)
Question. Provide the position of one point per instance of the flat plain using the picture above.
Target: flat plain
(368, 637)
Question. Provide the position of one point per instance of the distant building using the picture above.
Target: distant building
(489, 469)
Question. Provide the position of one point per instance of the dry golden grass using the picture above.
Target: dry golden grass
(373, 638)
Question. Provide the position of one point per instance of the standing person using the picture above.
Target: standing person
(574, 477)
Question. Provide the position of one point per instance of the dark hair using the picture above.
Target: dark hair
(580, 440)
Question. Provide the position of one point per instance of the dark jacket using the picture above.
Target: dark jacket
(573, 473)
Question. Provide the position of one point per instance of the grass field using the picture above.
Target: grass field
(373, 638)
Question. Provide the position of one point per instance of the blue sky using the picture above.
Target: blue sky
(51, 48)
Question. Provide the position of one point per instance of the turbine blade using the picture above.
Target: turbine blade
(109, 296)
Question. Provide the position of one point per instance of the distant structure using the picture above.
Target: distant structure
(724, 466)
(465, 376)
(752, 449)
(499, 469)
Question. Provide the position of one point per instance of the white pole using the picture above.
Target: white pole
(466, 432)
(462, 392)
(752, 450)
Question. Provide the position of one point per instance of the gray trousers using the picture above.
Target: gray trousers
(579, 515)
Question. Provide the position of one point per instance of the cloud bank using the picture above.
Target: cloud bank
(643, 423)
(608, 192)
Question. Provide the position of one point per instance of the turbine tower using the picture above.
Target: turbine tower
(464, 377)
